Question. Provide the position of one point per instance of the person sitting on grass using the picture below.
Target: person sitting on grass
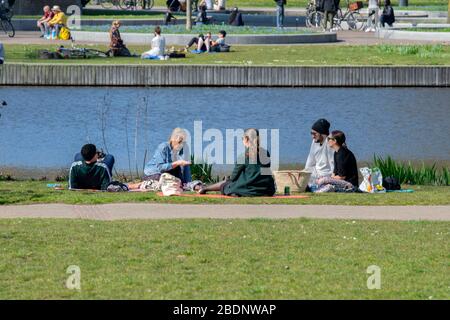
(58, 21)
(216, 46)
(251, 176)
(158, 47)
(116, 46)
(202, 17)
(200, 43)
(387, 16)
(320, 161)
(168, 158)
(42, 23)
(235, 18)
(345, 173)
(91, 169)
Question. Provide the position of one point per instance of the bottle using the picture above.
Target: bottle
(287, 191)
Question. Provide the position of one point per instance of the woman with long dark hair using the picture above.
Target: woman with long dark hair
(345, 173)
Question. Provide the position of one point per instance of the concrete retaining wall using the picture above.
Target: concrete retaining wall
(413, 35)
(183, 39)
(204, 75)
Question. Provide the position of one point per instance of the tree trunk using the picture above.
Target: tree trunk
(188, 15)
(27, 7)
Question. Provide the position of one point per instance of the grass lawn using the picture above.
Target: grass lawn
(223, 259)
(29, 192)
(289, 55)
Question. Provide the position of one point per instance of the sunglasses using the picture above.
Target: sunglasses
(331, 138)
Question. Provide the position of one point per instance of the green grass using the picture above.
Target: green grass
(428, 29)
(223, 259)
(30, 192)
(299, 55)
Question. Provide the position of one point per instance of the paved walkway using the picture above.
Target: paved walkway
(183, 211)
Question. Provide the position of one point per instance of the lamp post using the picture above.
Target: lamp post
(188, 15)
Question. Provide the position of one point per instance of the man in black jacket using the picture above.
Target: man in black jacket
(330, 8)
(280, 12)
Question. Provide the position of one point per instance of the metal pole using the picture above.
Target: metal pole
(403, 3)
(188, 15)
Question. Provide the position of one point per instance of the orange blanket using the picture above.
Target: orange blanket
(223, 196)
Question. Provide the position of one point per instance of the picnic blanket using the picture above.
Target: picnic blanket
(230, 197)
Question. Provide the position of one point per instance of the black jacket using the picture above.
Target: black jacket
(388, 14)
(330, 5)
(280, 2)
(345, 165)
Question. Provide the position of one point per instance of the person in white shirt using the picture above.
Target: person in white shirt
(320, 162)
(372, 20)
(158, 47)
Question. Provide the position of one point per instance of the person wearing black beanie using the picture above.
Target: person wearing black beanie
(321, 126)
(320, 162)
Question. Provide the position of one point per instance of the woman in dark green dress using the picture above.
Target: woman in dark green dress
(251, 176)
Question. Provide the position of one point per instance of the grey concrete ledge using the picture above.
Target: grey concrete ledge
(183, 39)
(165, 74)
(412, 35)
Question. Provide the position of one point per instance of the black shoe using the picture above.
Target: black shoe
(41, 36)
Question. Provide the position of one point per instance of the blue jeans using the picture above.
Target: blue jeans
(108, 160)
(280, 16)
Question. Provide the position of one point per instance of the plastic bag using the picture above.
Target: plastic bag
(170, 185)
(372, 180)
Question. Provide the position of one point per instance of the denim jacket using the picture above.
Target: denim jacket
(162, 162)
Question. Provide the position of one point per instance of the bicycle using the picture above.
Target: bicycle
(6, 25)
(351, 16)
(133, 4)
(313, 16)
(79, 53)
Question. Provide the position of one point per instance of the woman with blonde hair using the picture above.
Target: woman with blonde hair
(248, 178)
(116, 47)
(168, 158)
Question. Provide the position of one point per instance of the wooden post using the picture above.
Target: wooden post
(188, 15)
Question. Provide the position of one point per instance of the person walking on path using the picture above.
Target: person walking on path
(330, 8)
(280, 12)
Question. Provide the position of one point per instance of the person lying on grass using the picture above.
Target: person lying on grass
(91, 169)
(200, 43)
(345, 173)
(251, 176)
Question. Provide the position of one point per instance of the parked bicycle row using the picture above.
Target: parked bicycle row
(329, 15)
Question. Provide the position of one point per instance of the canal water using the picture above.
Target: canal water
(44, 127)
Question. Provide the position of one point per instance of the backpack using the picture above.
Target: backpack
(116, 186)
(224, 48)
(64, 33)
(391, 183)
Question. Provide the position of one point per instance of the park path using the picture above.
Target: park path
(122, 211)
